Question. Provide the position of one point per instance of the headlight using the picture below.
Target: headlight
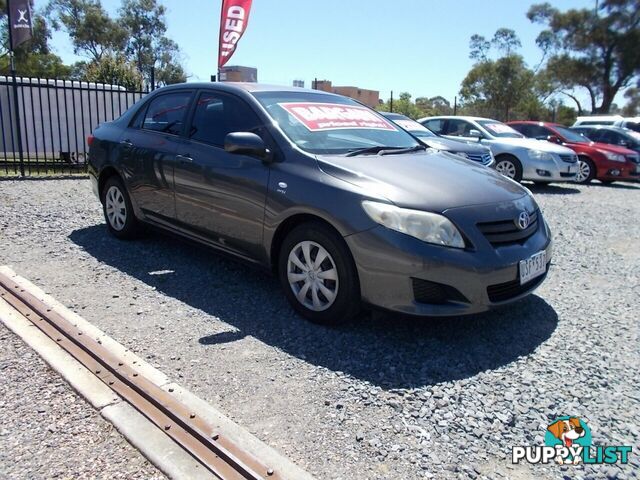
(540, 155)
(614, 157)
(461, 154)
(425, 226)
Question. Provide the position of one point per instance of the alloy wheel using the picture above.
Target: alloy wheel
(506, 168)
(312, 275)
(584, 171)
(116, 208)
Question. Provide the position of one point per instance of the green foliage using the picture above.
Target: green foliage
(33, 58)
(92, 31)
(113, 70)
(596, 50)
(137, 36)
(403, 105)
(147, 43)
(632, 108)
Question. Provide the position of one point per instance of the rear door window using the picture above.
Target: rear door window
(166, 113)
(435, 125)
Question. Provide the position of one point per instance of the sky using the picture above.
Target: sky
(415, 46)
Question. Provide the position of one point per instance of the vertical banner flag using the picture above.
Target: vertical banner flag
(233, 22)
(20, 15)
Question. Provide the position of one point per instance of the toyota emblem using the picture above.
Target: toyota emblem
(522, 222)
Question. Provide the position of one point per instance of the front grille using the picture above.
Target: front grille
(569, 158)
(634, 158)
(508, 290)
(505, 232)
(483, 158)
(434, 293)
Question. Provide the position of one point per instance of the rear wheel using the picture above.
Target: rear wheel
(318, 275)
(117, 209)
(586, 170)
(510, 167)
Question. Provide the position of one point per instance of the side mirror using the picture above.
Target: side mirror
(246, 143)
(554, 139)
(473, 133)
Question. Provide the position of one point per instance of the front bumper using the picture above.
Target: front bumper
(390, 264)
(555, 170)
(612, 171)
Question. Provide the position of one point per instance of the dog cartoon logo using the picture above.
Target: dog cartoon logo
(567, 435)
(567, 441)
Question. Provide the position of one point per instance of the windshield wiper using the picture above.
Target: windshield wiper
(364, 151)
(384, 150)
(403, 150)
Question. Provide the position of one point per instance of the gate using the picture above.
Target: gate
(44, 132)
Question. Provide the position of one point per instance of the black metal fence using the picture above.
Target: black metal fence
(45, 122)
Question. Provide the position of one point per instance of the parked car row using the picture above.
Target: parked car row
(544, 152)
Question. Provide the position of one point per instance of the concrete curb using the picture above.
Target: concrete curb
(154, 444)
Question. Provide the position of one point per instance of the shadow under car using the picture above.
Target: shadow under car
(387, 350)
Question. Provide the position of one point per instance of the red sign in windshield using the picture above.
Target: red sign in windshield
(333, 116)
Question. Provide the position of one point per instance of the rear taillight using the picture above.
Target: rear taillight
(90, 139)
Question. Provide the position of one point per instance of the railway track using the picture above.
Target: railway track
(220, 455)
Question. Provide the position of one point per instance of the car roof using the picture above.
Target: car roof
(599, 117)
(392, 115)
(459, 117)
(244, 86)
(533, 122)
(605, 127)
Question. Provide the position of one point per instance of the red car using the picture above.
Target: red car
(602, 161)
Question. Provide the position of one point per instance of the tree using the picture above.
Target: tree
(114, 70)
(632, 108)
(403, 105)
(496, 87)
(93, 33)
(594, 49)
(147, 44)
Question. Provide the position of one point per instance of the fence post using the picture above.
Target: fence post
(16, 108)
(15, 93)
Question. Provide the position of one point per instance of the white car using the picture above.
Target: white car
(516, 157)
(632, 123)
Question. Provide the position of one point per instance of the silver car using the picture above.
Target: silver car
(517, 157)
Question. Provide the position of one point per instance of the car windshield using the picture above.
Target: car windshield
(411, 126)
(498, 129)
(330, 124)
(571, 136)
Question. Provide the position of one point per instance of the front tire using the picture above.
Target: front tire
(586, 170)
(118, 211)
(318, 275)
(510, 167)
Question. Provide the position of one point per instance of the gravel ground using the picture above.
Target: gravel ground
(48, 431)
(382, 397)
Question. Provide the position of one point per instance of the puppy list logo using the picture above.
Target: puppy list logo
(567, 441)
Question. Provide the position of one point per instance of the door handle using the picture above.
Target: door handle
(126, 143)
(184, 158)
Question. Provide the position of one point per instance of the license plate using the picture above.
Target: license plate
(533, 267)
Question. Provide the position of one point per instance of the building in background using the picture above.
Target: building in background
(370, 98)
(298, 83)
(235, 73)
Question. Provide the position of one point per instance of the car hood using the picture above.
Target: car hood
(430, 180)
(533, 144)
(607, 147)
(448, 145)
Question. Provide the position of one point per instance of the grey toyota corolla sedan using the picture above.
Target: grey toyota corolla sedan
(344, 206)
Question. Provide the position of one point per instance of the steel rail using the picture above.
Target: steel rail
(220, 455)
